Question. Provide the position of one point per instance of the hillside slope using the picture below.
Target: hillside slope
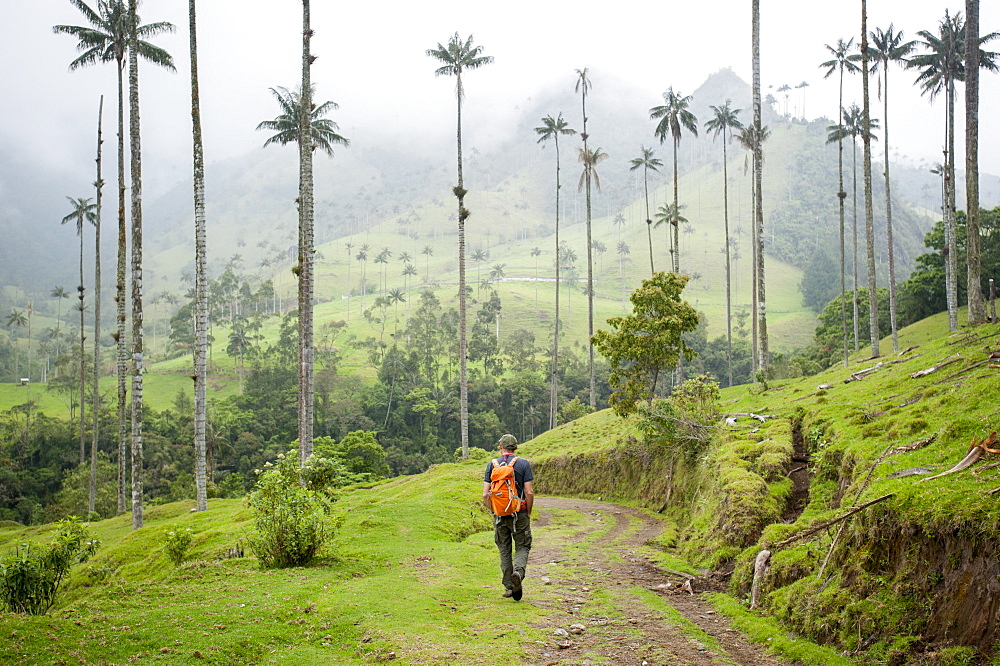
(914, 574)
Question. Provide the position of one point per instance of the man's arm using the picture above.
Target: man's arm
(486, 497)
(529, 495)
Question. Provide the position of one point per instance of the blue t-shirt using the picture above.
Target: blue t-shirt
(522, 472)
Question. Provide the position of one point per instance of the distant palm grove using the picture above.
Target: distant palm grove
(441, 326)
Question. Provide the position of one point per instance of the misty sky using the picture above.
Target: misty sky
(371, 61)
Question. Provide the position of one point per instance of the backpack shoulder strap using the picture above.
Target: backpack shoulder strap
(496, 462)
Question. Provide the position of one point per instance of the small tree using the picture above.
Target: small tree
(30, 576)
(648, 341)
(289, 508)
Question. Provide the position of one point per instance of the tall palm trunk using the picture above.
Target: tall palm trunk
(200, 279)
(841, 195)
(649, 221)
(306, 351)
(729, 277)
(951, 225)
(554, 391)
(83, 355)
(888, 211)
(588, 167)
(977, 309)
(869, 216)
(121, 362)
(758, 163)
(96, 408)
(675, 225)
(137, 334)
(854, 261)
(463, 380)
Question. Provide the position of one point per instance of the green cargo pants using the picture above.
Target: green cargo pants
(512, 531)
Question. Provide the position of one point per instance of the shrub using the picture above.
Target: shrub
(30, 576)
(290, 519)
(176, 545)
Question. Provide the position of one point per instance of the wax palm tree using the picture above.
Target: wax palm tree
(867, 166)
(583, 85)
(725, 120)
(83, 211)
(647, 162)
(535, 252)
(323, 132)
(551, 128)
(940, 66)
(396, 296)
(841, 62)
(362, 257)
(428, 252)
(350, 246)
(455, 58)
(58, 293)
(977, 310)
(96, 410)
(409, 270)
(590, 159)
(19, 319)
(479, 256)
(382, 258)
(749, 139)
(667, 214)
(854, 128)
(674, 116)
(201, 276)
(105, 40)
(307, 142)
(497, 272)
(758, 136)
(889, 48)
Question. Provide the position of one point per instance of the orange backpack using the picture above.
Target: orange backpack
(503, 490)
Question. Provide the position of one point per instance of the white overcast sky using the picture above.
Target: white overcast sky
(371, 61)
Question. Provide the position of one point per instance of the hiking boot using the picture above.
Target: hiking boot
(515, 579)
(507, 594)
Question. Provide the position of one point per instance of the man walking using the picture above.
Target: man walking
(514, 529)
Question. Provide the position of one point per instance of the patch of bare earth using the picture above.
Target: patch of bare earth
(592, 587)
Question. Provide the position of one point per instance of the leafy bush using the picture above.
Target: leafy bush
(30, 576)
(176, 545)
(290, 511)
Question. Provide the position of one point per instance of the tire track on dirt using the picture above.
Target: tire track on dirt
(598, 566)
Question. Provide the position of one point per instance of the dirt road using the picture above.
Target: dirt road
(585, 570)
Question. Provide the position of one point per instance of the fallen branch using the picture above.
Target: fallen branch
(934, 368)
(908, 350)
(861, 374)
(976, 451)
(984, 468)
(993, 492)
(913, 446)
(833, 521)
(962, 372)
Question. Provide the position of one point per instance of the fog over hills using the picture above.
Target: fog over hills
(395, 184)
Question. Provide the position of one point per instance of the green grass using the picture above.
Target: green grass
(398, 577)
(768, 633)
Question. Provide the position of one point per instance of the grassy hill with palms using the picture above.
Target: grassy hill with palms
(409, 575)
